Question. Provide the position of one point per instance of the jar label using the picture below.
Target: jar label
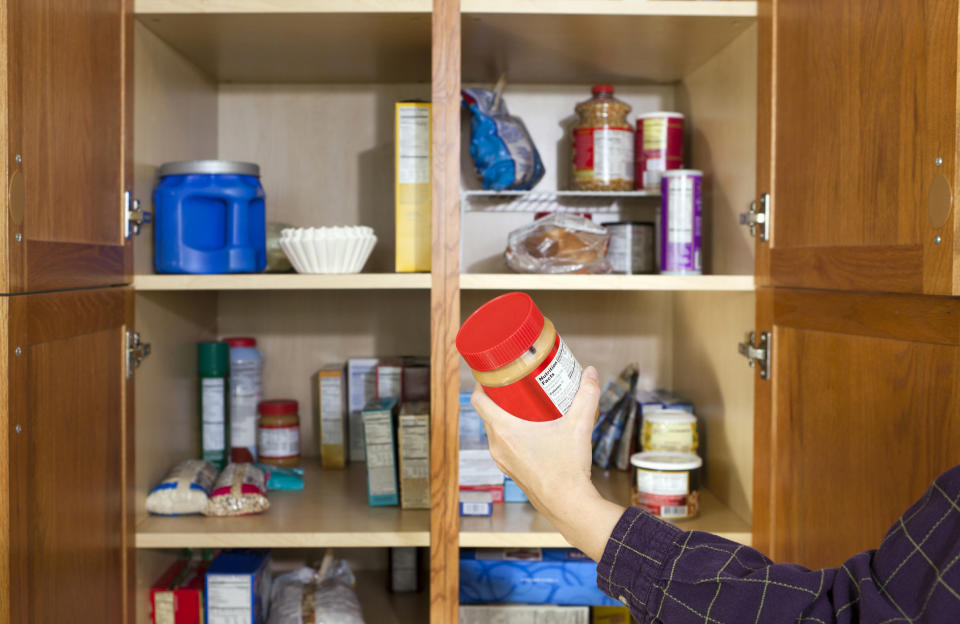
(603, 154)
(670, 437)
(212, 407)
(560, 380)
(279, 442)
(666, 494)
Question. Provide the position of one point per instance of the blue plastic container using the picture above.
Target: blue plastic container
(210, 218)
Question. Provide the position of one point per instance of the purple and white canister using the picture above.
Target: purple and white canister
(680, 221)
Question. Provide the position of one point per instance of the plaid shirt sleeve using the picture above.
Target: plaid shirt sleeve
(668, 575)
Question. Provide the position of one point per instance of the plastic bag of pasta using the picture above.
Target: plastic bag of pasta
(318, 597)
(501, 147)
(241, 489)
(559, 243)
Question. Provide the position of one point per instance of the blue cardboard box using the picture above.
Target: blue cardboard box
(512, 492)
(237, 587)
(533, 576)
(380, 442)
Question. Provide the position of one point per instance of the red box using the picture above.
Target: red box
(177, 597)
(495, 490)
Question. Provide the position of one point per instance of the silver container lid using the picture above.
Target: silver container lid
(229, 167)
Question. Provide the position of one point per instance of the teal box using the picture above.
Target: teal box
(380, 443)
(512, 492)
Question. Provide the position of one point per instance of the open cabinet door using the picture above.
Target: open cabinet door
(70, 457)
(68, 91)
(857, 417)
(857, 145)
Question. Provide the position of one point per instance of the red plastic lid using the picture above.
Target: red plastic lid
(275, 407)
(499, 331)
(241, 342)
(604, 88)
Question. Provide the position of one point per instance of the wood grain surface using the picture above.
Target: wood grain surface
(864, 103)
(69, 457)
(766, 153)
(74, 104)
(862, 418)
(445, 314)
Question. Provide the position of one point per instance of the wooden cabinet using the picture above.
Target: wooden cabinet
(68, 97)
(69, 512)
(844, 113)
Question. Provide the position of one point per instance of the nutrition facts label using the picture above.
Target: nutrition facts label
(228, 598)
(560, 380)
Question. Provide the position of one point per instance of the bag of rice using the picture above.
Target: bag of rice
(319, 597)
(240, 489)
(185, 489)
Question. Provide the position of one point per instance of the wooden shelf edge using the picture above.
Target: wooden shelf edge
(281, 6)
(281, 540)
(470, 539)
(511, 281)
(284, 281)
(674, 8)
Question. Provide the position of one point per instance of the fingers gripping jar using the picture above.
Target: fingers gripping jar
(603, 145)
(519, 359)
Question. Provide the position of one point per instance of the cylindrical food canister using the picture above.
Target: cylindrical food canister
(668, 484)
(246, 369)
(519, 359)
(213, 366)
(669, 430)
(278, 433)
(659, 147)
(631, 246)
(680, 222)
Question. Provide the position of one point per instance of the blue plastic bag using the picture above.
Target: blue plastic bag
(503, 151)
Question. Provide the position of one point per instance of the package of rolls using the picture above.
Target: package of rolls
(559, 243)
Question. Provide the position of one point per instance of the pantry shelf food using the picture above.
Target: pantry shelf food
(519, 525)
(332, 510)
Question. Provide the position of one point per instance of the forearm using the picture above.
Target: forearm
(583, 517)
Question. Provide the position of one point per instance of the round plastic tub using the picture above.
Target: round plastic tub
(519, 359)
(668, 484)
(672, 431)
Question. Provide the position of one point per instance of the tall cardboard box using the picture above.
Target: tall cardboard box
(390, 379)
(330, 390)
(414, 443)
(412, 165)
(362, 387)
(379, 436)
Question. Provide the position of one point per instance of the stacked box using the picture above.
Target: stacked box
(177, 597)
(414, 442)
(523, 614)
(379, 420)
(362, 386)
(412, 187)
(330, 392)
(416, 379)
(390, 379)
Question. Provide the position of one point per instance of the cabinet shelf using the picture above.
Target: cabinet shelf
(553, 201)
(519, 525)
(284, 281)
(518, 281)
(331, 511)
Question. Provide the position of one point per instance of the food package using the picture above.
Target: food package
(237, 587)
(185, 489)
(241, 489)
(281, 477)
(321, 597)
(612, 423)
(503, 151)
(177, 597)
(559, 243)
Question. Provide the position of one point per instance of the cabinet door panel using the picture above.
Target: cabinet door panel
(862, 105)
(69, 108)
(69, 463)
(858, 419)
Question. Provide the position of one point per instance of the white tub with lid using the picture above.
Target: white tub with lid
(670, 430)
(668, 484)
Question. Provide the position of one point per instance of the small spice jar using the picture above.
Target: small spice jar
(519, 359)
(668, 484)
(603, 144)
(278, 433)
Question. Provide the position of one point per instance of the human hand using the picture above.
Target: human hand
(551, 462)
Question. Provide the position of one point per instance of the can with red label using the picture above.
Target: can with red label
(659, 147)
(668, 484)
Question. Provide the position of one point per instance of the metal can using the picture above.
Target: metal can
(631, 246)
(680, 222)
(659, 147)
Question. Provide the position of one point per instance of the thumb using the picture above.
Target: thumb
(584, 406)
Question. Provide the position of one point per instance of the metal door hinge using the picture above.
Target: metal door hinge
(758, 352)
(134, 216)
(136, 352)
(758, 220)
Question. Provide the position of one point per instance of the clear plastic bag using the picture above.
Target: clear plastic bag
(559, 243)
(319, 597)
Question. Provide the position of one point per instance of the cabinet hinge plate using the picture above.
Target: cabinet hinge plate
(758, 352)
(758, 220)
(136, 352)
